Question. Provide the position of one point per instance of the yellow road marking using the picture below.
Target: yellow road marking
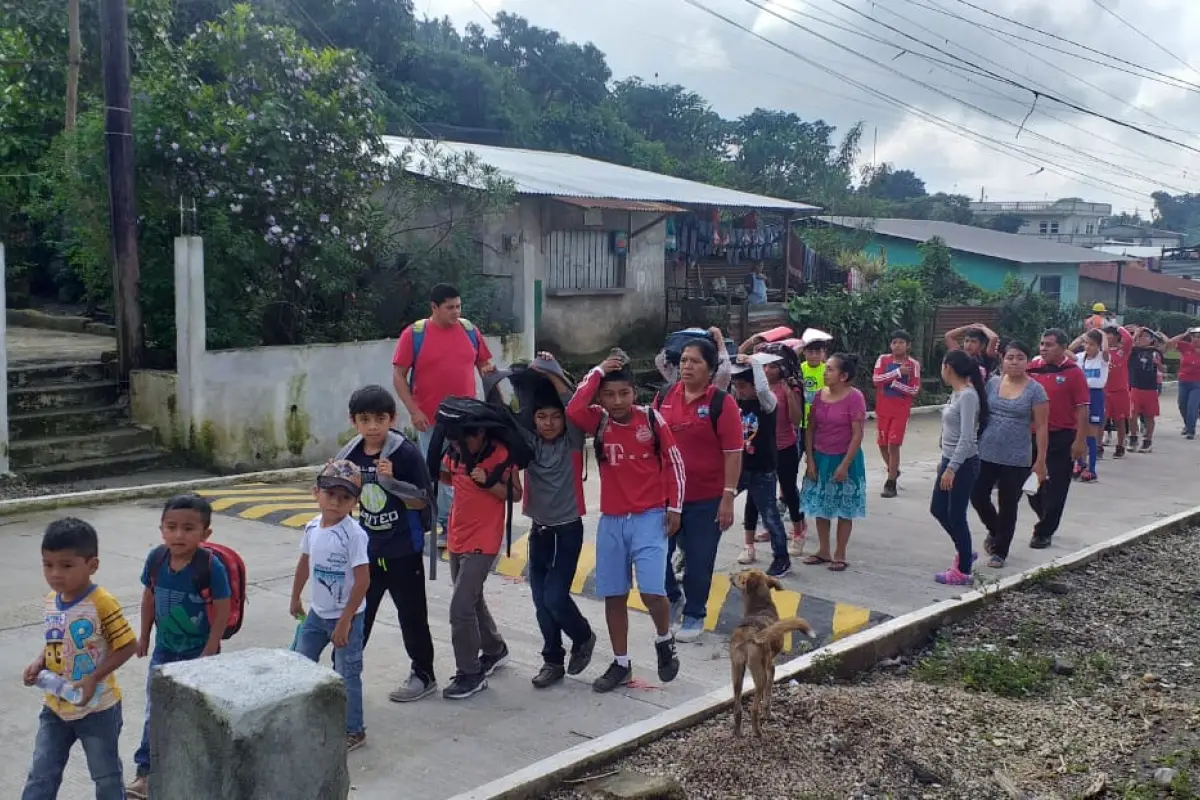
(258, 512)
(716, 599)
(297, 520)
(512, 566)
(787, 603)
(258, 489)
(848, 619)
(224, 503)
(587, 563)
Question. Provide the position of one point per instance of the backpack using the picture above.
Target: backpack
(457, 415)
(202, 580)
(418, 339)
(715, 406)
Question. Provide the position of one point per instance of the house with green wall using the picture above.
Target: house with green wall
(982, 256)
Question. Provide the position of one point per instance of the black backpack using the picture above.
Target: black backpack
(715, 406)
(458, 415)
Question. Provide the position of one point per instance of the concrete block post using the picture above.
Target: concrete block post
(191, 329)
(4, 366)
(248, 725)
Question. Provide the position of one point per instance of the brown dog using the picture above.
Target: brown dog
(756, 641)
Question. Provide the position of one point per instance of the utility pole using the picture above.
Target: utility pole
(73, 58)
(118, 142)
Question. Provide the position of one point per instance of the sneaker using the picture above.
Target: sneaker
(1040, 542)
(549, 675)
(139, 789)
(796, 547)
(413, 689)
(489, 664)
(779, 568)
(355, 741)
(690, 629)
(1132, 441)
(676, 610)
(614, 676)
(463, 686)
(762, 536)
(581, 656)
(889, 488)
(1088, 476)
(1147, 446)
(748, 556)
(1119, 452)
(668, 660)
(1190, 437)
(952, 577)
(996, 562)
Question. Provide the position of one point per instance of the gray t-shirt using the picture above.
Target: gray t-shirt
(551, 492)
(960, 426)
(1007, 439)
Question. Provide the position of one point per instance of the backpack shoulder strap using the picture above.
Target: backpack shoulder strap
(202, 569)
(598, 438)
(715, 406)
(158, 557)
(418, 339)
(652, 419)
(471, 331)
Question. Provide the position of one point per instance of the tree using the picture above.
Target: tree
(887, 183)
(1005, 223)
(1177, 212)
(779, 154)
(690, 132)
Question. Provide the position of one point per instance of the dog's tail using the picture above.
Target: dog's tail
(784, 626)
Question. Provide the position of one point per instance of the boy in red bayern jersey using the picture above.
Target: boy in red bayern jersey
(897, 380)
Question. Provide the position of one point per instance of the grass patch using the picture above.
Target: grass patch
(1001, 671)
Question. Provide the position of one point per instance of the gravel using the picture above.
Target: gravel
(1085, 684)
(15, 487)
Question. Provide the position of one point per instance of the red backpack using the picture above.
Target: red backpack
(202, 579)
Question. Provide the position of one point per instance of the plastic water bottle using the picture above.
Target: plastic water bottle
(59, 686)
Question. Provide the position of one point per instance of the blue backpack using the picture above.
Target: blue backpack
(418, 338)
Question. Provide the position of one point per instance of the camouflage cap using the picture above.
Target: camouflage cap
(341, 475)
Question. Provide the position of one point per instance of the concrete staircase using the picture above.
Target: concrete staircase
(68, 421)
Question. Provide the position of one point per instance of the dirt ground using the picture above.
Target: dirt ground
(1083, 685)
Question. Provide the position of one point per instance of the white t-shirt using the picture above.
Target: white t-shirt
(333, 553)
(1094, 369)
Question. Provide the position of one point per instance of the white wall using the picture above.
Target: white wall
(264, 407)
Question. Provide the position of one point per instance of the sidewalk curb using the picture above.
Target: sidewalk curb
(48, 502)
(853, 654)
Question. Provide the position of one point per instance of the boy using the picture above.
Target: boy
(475, 534)
(86, 641)
(641, 499)
(1093, 356)
(333, 552)
(980, 342)
(1143, 380)
(554, 501)
(172, 605)
(395, 491)
(1118, 402)
(897, 380)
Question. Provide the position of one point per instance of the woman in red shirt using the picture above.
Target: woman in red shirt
(1189, 378)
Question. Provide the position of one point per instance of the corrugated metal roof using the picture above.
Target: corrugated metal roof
(611, 204)
(541, 172)
(981, 241)
(1142, 278)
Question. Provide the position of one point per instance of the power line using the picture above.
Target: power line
(1005, 148)
(1138, 31)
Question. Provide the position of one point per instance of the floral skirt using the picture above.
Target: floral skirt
(825, 498)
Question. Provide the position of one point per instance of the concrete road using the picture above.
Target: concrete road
(438, 748)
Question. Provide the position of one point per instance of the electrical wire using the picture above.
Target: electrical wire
(1139, 32)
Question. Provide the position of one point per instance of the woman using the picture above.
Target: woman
(1016, 403)
(835, 480)
(962, 418)
(1093, 360)
(707, 427)
(789, 395)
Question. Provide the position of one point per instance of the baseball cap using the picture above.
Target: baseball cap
(341, 475)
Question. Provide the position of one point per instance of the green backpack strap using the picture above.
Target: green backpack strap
(418, 339)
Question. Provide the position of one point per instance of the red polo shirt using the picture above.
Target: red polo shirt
(1189, 361)
(1067, 388)
(703, 449)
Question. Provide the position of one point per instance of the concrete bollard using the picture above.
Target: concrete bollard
(250, 725)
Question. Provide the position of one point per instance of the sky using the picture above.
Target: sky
(911, 71)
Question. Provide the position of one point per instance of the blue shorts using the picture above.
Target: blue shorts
(1096, 406)
(635, 542)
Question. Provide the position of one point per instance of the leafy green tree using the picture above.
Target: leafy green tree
(779, 154)
(694, 136)
(1178, 212)
(887, 183)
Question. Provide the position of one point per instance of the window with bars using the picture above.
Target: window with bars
(582, 260)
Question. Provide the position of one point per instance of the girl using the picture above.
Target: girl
(760, 406)
(1093, 360)
(835, 480)
(962, 418)
(1015, 403)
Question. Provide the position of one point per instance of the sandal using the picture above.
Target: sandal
(815, 560)
(837, 566)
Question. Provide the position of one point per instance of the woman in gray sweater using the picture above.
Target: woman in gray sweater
(962, 419)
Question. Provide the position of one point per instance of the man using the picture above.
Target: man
(437, 358)
(1067, 388)
(980, 342)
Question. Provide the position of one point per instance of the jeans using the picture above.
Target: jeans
(999, 521)
(553, 557)
(789, 489)
(315, 634)
(1189, 405)
(141, 758)
(445, 492)
(98, 733)
(472, 628)
(1051, 499)
(760, 490)
(404, 579)
(949, 508)
(699, 535)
